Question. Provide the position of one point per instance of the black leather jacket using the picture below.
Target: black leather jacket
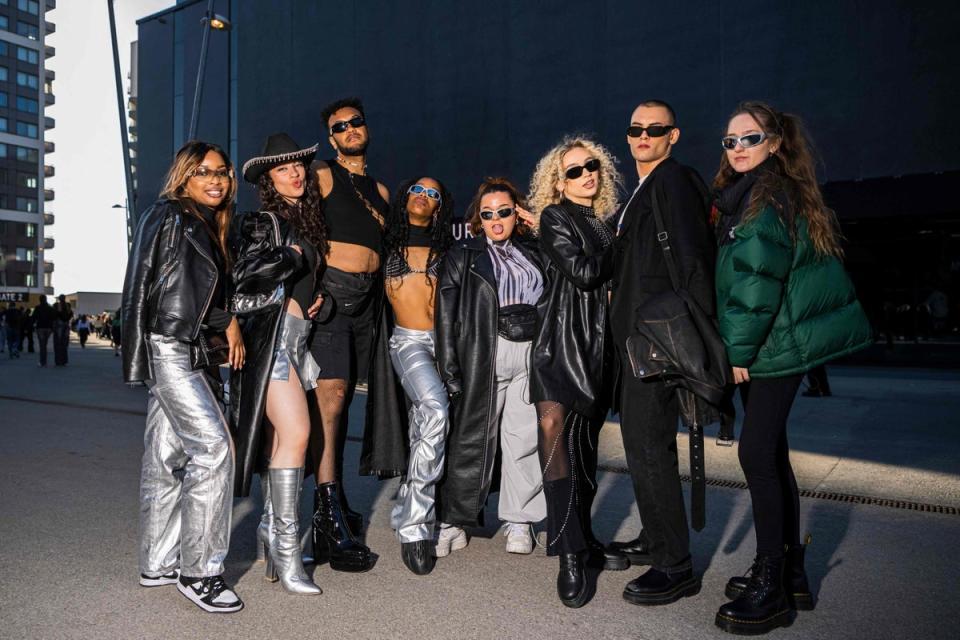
(571, 352)
(466, 324)
(171, 281)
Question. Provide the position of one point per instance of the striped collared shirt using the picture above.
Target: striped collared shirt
(518, 280)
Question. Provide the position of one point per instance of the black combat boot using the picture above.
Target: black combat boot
(762, 606)
(333, 539)
(794, 579)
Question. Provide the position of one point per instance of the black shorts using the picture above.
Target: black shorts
(342, 343)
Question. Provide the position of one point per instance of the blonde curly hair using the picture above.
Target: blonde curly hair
(543, 183)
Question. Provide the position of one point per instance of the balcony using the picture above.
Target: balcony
(49, 99)
(50, 75)
(50, 27)
(49, 147)
(48, 219)
(48, 243)
(48, 195)
(49, 51)
(48, 171)
(49, 123)
(47, 267)
(51, 5)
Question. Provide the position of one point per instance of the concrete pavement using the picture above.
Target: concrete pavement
(69, 466)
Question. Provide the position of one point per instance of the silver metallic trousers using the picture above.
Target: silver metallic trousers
(521, 480)
(186, 481)
(413, 356)
(291, 352)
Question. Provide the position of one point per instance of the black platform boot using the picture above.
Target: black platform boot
(572, 580)
(354, 518)
(333, 540)
(762, 606)
(794, 579)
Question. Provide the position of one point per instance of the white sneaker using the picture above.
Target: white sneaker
(519, 538)
(451, 538)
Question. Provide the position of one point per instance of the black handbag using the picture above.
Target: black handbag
(678, 343)
(517, 322)
(210, 349)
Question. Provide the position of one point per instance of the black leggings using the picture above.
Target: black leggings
(765, 459)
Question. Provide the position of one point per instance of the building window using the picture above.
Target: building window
(48, 86)
(3, 150)
(23, 79)
(30, 279)
(28, 105)
(25, 255)
(30, 230)
(28, 180)
(3, 124)
(28, 30)
(27, 204)
(3, 74)
(26, 154)
(3, 48)
(4, 101)
(27, 55)
(27, 129)
(4, 23)
(30, 6)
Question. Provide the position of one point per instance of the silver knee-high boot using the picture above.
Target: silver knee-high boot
(284, 560)
(265, 528)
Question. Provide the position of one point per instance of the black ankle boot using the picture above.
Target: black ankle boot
(794, 579)
(572, 580)
(418, 556)
(637, 550)
(762, 606)
(354, 518)
(333, 540)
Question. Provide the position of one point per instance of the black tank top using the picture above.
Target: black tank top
(348, 218)
(302, 285)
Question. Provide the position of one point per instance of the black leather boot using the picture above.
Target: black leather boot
(794, 579)
(663, 586)
(637, 550)
(762, 606)
(333, 540)
(354, 518)
(572, 580)
(418, 556)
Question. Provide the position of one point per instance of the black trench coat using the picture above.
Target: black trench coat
(466, 328)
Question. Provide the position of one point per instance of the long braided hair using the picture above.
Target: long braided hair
(398, 225)
(306, 215)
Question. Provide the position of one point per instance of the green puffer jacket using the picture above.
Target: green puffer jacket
(783, 309)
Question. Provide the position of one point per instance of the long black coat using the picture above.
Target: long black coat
(466, 327)
(260, 266)
(571, 352)
(640, 271)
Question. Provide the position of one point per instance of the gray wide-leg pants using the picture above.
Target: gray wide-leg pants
(521, 480)
(413, 357)
(186, 481)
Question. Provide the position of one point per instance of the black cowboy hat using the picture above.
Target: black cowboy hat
(278, 149)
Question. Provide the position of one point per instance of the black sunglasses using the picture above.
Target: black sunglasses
(574, 172)
(747, 141)
(506, 212)
(356, 122)
(654, 130)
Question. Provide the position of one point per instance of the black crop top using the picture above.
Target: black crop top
(302, 285)
(348, 218)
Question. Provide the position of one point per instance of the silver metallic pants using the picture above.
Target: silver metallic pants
(291, 352)
(412, 353)
(186, 482)
(521, 480)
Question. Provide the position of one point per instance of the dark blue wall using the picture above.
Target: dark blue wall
(460, 90)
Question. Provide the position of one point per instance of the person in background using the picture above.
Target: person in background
(83, 330)
(785, 305)
(489, 287)
(26, 329)
(62, 315)
(43, 322)
(11, 319)
(115, 331)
